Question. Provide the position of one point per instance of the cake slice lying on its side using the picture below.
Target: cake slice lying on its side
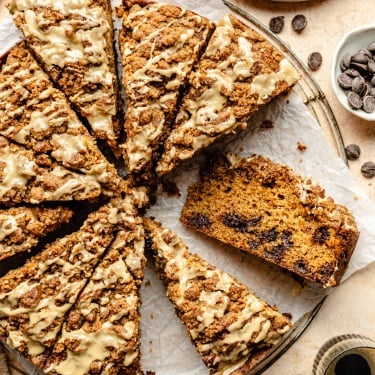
(37, 116)
(159, 45)
(266, 209)
(73, 41)
(230, 327)
(238, 74)
(101, 333)
(35, 297)
(22, 227)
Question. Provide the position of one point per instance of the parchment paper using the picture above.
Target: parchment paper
(166, 348)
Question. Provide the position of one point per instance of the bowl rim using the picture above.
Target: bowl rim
(335, 71)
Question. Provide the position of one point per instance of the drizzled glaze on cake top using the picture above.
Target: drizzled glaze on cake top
(72, 39)
(225, 321)
(159, 44)
(237, 74)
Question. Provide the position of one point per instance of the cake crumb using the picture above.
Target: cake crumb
(301, 146)
(267, 124)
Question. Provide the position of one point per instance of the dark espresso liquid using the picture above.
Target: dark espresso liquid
(352, 364)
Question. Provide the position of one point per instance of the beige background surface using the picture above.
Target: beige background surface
(351, 307)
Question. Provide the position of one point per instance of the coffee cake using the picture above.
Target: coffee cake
(22, 227)
(230, 327)
(37, 117)
(159, 45)
(73, 41)
(239, 72)
(266, 209)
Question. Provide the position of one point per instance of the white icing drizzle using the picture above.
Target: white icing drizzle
(252, 321)
(79, 37)
(138, 147)
(211, 115)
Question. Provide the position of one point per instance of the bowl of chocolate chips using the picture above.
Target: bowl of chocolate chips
(353, 72)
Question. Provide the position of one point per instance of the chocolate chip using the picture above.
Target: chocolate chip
(241, 224)
(368, 169)
(301, 267)
(368, 104)
(199, 221)
(345, 81)
(345, 61)
(371, 47)
(315, 60)
(362, 68)
(352, 151)
(358, 85)
(372, 91)
(371, 66)
(321, 235)
(299, 22)
(354, 100)
(269, 235)
(276, 24)
(373, 80)
(352, 72)
(360, 58)
(275, 252)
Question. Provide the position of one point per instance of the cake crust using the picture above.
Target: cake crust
(266, 209)
(239, 73)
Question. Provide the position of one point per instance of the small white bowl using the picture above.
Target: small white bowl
(354, 41)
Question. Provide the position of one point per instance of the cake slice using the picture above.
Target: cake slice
(238, 74)
(35, 298)
(266, 209)
(34, 114)
(230, 327)
(159, 45)
(74, 43)
(101, 333)
(21, 228)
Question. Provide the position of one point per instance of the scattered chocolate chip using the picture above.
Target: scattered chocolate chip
(354, 100)
(368, 104)
(275, 252)
(345, 81)
(368, 169)
(276, 24)
(267, 124)
(269, 235)
(299, 22)
(315, 60)
(352, 151)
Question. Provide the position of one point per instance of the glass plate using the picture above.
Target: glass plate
(315, 100)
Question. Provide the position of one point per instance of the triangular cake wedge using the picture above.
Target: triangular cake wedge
(22, 227)
(35, 298)
(266, 209)
(73, 41)
(239, 72)
(101, 333)
(231, 328)
(38, 117)
(159, 45)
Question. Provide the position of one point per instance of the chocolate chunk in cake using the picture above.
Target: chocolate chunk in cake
(238, 74)
(268, 210)
(231, 328)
